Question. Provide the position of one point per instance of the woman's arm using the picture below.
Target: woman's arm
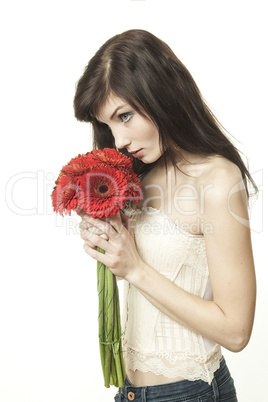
(228, 319)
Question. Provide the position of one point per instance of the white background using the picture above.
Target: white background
(48, 299)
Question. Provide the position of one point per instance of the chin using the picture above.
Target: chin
(150, 160)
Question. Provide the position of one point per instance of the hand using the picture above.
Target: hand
(115, 236)
(87, 229)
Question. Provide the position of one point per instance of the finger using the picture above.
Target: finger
(86, 220)
(126, 221)
(115, 221)
(104, 236)
(88, 243)
(96, 254)
(103, 225)
(86, 234)
(83, 226)
(127, 224)
(91, 220)
(98, 241)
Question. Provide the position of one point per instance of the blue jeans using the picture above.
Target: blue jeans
(221, 389)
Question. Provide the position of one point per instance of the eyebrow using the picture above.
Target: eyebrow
(116, 110)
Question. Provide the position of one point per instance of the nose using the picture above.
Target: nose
(121, 138)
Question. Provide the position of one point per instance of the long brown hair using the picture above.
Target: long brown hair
(142, 70)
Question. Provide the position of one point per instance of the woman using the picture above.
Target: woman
(185, 251)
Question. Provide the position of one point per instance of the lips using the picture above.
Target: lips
(136, 154)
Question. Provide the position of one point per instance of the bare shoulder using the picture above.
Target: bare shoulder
(219, 168)
(222, 178)
(225, 201)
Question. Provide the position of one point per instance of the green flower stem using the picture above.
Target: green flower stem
(118, 345)
(109, 322)
(113, 375)
(101, 282)
(110, 328)
(118, 353)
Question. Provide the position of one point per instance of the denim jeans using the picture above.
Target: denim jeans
(221, 389)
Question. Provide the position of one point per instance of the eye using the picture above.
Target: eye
(125, 117)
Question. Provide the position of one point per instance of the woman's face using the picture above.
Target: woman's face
(131, 130)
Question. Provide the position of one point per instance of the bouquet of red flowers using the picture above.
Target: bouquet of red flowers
(100, 183)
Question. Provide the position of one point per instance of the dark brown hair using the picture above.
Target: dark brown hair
(142, 70)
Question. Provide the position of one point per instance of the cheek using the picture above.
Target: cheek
(150, 133)
(146, 132)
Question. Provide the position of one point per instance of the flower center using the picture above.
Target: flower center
(103, 189)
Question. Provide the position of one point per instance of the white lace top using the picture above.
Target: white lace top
(153, 342)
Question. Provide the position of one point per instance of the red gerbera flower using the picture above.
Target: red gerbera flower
(79, 165)
(103, 192)
(110, 156)
(98, 182)
(65, 195)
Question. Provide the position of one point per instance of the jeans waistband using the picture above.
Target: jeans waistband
(183, 388)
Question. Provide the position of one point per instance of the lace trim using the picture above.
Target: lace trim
(176, 364)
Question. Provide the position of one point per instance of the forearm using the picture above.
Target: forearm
(202, 316)
(228, 319)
